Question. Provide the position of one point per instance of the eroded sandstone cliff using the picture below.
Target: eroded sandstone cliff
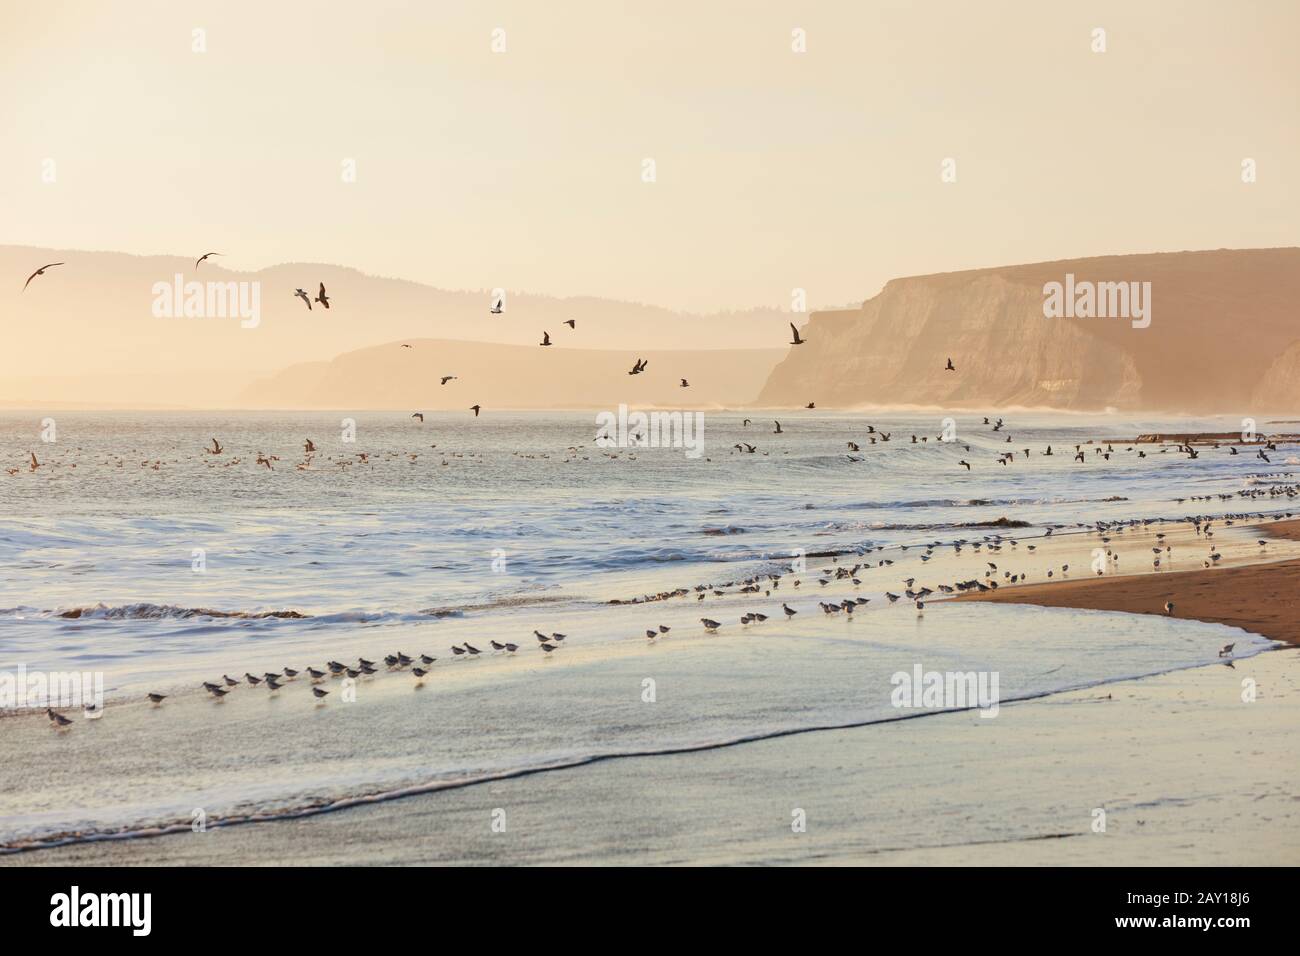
(1221, 339)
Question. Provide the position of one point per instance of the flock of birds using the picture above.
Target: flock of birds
(497, 307)
(987, 546)
(420, 667)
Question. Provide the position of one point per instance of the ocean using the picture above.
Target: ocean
(134, 553)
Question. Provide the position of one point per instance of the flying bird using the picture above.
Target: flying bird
(39, 272)
(639, 367)
(497, 307)
(475, 409)
(795, 333)
(949, 367)
(447, 378)
(546, 339)
(419, 415)
(304, 296)
(199, 260)
(685, 384)
(571, 323)
(216, 447)
(323, 299)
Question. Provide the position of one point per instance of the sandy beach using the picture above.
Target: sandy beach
(1186, 772)
(1262, 598)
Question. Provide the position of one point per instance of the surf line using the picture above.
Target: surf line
(437, 786)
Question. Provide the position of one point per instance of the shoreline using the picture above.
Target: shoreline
(1262, 598)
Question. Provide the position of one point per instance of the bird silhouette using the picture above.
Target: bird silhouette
(39, 272)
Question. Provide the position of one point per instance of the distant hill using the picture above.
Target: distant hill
(1224, 338)
(514, 376)
(85, 331)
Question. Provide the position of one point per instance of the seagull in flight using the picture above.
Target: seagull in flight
(950, 367)
(419, 415)
(685, 384)
(639, 367)
(795, 333)
(475, 409)
(447, 378)
(546, 339)
(497, 307)
(199, 260)
(39, 272)
(323, 299)
(571, 323)
(304, 296)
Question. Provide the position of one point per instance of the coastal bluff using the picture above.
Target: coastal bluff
(1223, 337)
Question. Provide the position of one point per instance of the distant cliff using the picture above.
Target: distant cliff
(1224, 337)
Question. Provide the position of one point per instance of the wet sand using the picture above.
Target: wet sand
(1262, 598)
(1187, 772)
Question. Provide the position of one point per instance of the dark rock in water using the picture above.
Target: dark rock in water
(1002, 522)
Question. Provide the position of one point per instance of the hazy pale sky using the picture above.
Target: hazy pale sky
(775, 169)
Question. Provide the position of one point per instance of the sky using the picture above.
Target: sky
(774, 169)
